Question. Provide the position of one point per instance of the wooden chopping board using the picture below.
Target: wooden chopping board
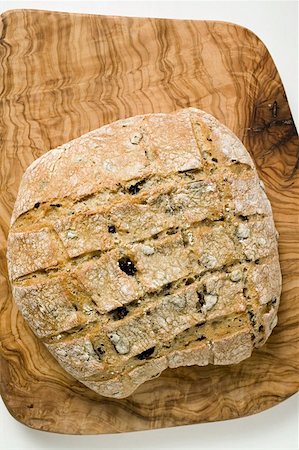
(63, 75)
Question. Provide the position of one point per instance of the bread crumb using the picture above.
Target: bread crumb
(121, 344)
(147, 250)
(136, 138)
(209, 261)
(180, 302)
(71, 234)
(210, 301)
(236, 275)
(261, 241)
(242, 231)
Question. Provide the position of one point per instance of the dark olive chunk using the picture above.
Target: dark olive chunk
(146, 354)
(201, 338)
(165, 289)
(251, 317)
(111, 229)
(127, 265)
(201, 299)
(244, 218)
(135, 188)
(99, 350)
(120, 313)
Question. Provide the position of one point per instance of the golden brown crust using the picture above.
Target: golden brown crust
(148, 243)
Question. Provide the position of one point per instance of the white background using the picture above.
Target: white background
(276, 24)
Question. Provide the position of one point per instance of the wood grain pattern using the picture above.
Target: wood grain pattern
(66, 74)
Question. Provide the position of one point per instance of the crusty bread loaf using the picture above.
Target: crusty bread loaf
(148, 243)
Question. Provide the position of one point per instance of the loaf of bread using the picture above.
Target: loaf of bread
(148, 243)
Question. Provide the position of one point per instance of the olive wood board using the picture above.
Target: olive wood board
(63, 75)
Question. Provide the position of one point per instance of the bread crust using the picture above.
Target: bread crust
(145, 244)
